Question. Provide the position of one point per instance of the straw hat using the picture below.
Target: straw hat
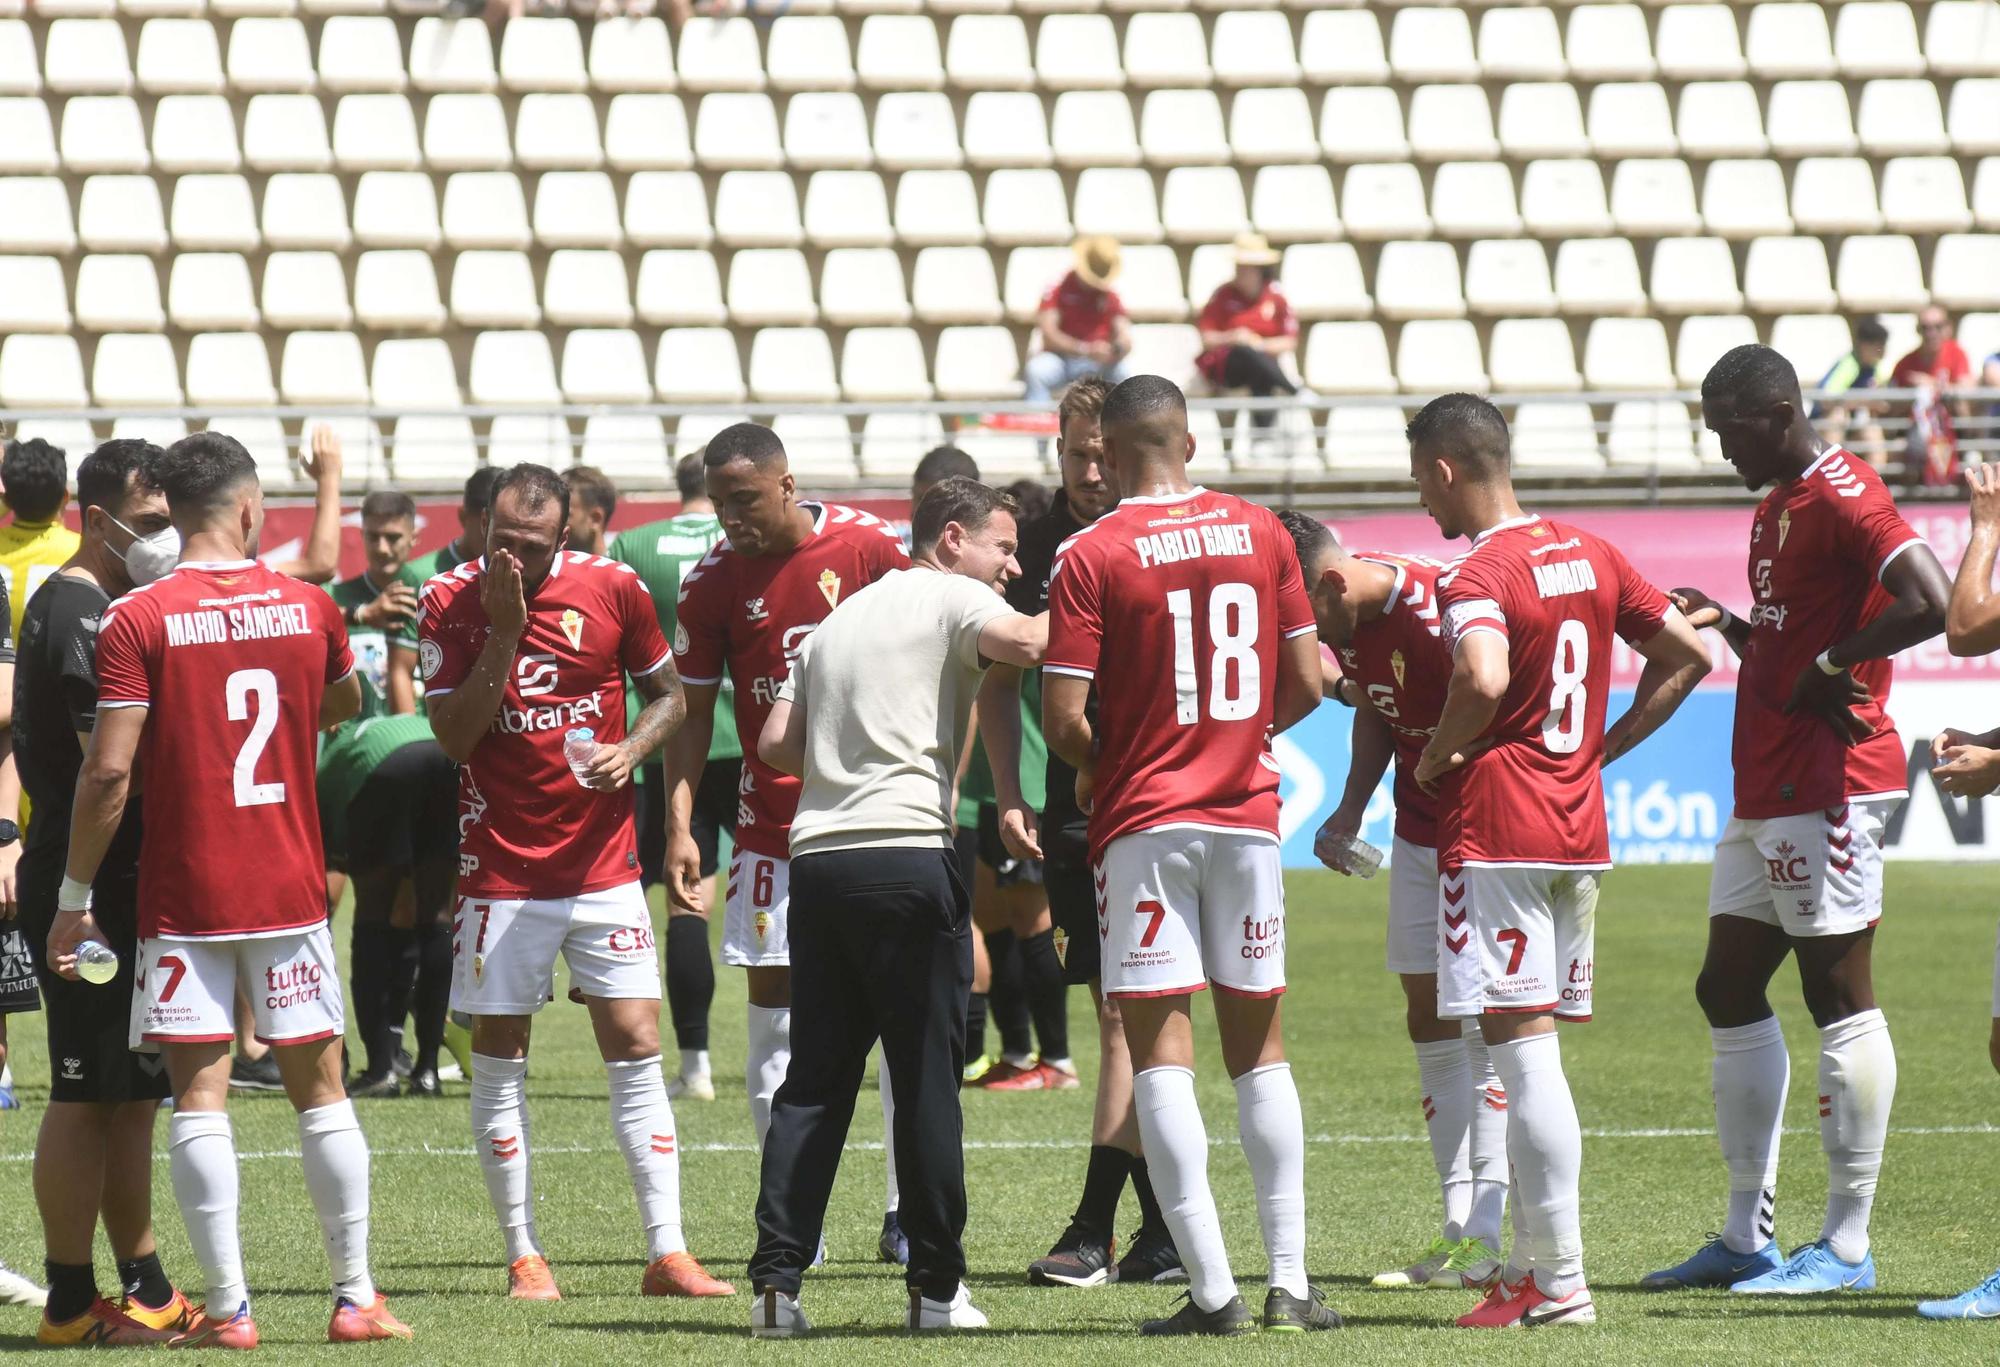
(1253, 250)
(1097, 260)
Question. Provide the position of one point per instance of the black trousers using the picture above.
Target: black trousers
(1259, 372)
(881, 947)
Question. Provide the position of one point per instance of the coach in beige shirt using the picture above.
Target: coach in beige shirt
(873, 719)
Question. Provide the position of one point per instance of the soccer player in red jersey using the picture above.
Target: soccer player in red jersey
(1197, 599)
(244, 666)
(1380, 615)
(1531, 612)
(782, 566)
(1839, 583)
(521, 650)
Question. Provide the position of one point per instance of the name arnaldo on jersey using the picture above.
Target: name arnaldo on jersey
(1565, 577)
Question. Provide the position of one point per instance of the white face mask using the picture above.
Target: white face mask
(149, 558)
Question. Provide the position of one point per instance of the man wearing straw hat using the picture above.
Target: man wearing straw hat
(1247, 325)
(1082, 324)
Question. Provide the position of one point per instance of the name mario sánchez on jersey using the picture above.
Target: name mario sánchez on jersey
(246, 617)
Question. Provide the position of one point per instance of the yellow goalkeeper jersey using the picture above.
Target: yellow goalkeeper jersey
(29, 553)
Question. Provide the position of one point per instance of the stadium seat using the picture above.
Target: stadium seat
(1439, 356)
(1167, 50)
(1811, 343)
(769, 286)
(392, 209)
(719, 54)
(1789, 39)
(1651, 434)
(1431, 44)
(629, 447)
(1540, 119)
(179, 57)
(809, 52)
(847, 209)
(1924, 195)
(454, 55)
(989, 52)
(828, 129)
(1560, 199)
(491, 289)
(1534, 355)
(1150, 285)
(194, 133)
(648, 132)
(41, 372)
(1090, 128)
(1810, 118)
(1699, 43)
(101, 133)
(1080, 52)
(1694, 275)
(1608, 43)
(1204, 204)
(1474, 199)
(229, 370)
(305, 290)
(1418, 280)
(415, 372)
(977, 363)
(1520, 43)
(953, 285)
(1901, 118)
(38, 215)
(1876, 38)
(588, 289)
(1008, 128)
(481, 209)
(1979, 333)
(1965, 272)
(557, 132)
(1702, 339)
(864, 285)
(121, 214)
(1598, 276)
(1183, 128)
(1384, 200)
(1362, 123)
(1555, 436)
(1323, 280)
(1340, 47)
(376, 133)
(893, 443)
(1834, 195)
(1508, 279)
(360, 53)
(1653, 197)
(738, 130)
(397, 291)
(1025, 208)
(286, 133)
(1271, 125)
(33, 296)
(1118, 202)
(269, 55)
(1630, 119)
(756, 209)
(667, 209)
(1295, 203)
(698, 365)
(135, 370)
(1450, 123)
(937, 209)
(577, 209)
(1627, 353)
(20, 73)
(1880, 274)
(915, 130)
(1962, 38)
(630, 54)
(512, 368)
(1349, 358)
(792, 365)
(1787, 275)
(680, 288)
(1986, 194)
(542, 54)
(896, 52)
(306, 211)
(1030, 273)
(819, 443)
(1364, 440)
(86, 57)
(540, 437)
(1720, 119)
(604, 365)
(883, 365)
(1745, 199)
(1254, 48)
(211, 292)
(320, 367)
(694, 430)
(466, 132)
(1973, 116)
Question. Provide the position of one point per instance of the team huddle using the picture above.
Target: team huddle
(1184, 629)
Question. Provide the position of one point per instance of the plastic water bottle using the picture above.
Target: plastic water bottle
(1348, 854)
(579, 747)
(95, 962)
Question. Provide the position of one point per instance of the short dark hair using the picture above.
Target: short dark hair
(201, 472)
(1749, 379)
(479, 489)
(1466, 428)
(1143, 397)
(389, 505)
(103, 476)
(1083, 399)
(536, 484)
(941, 463)
(745, 441)
(1311, 538)
(592, 487)
(1033, 498)
(965, 501)
(1870, 332)
(35, 475)
(691, 477)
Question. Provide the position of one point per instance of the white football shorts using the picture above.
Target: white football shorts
(503, 951)
(1811, 873)
(1180, 907)
(755, 911)
(1413, 903)
(1516, 939)
(185, 990)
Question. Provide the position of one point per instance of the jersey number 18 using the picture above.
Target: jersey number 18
(1232, 636)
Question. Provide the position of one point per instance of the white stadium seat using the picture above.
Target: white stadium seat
(1702, 339)
(1788, 39)
(1788, 275)
(1811, 343)
(604, 365)
(1323, 280)
(977, 363)
(1555, 436)
(1720, 119)
(1901, 118)
(647, 132)
(1508, 279)
(1650, 434)
(1367, 439)
(719, 54)
(629, 447)
(194, 133)
(585, 288)
(738, 129)
(1432, 44)
(1745, 199)
(135, 370)
(1474, 199)
(211, 292)
(305, 289)
(1025, 208)
(1090, 128)
(770, 286)
(180, 57)
(453, 55)
(1973, 117)
(667, 209)
(1834, 195)
(375, 133)
(1030, 272)
(847, 209)
(809, 52)
(541, 54)
(1699, 42)
(792, 365)
(756, 209)
(1118, 202)
(1183, 127)
(630, 54)
(1340, 47)
(286, 133)
(829, 129)
(883, 365)
(41, 372)
(1925, 195)
(1521, 43)
(1880, 274)
(1080, 52)
(466, 132)
(20, 72)
(269, 55)
(1541, 119)
(1450, 123)
(1535, 355)
(698, 365)
(1627, 353)
(1349, 358)
(229, 370)
(1254, 48)
(1362, 123)
(38, 215)
(1876, 38)
(1418, 280)
(1271, 125)
(896, 52)
(953, 285)
(86, 57)
(1986, 194)
(1654, 197)
(512, 368)
(1294, 203)
(1439, 356)
(397, 291)
(1631, 119)
(415, 372)
(1694, 275)
(680, 288)
(33, 297)
(1384, 200)
(305, 211)
(491, 289)
(556, 132)
(360, 52)
(937, 208)
(864, 286)
(1599, 275)
(1563, 199)
(1167, 50)
(1608, 43)
(121, 214)
(1008, 128)
(989, 52)
(540, 437)
(102, 133)
(1807, 118)
(484, 209)
(393, 209)
(1203, 204)
(1965, 272)
(915, 130)
(893, 443)
(1962, 38)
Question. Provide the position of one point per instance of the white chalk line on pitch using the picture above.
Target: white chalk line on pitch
(1011, 1145)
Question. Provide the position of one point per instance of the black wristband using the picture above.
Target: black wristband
(1340, 692)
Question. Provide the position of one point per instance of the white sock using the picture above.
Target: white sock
(1545, 1143)
(500, 1134)
(643, 1120)
(1018, 1060)
(1176, 1145)
(1857, 1083)
(1752, 1074)
(1274, 1140)
(893, 1198)
(1489, 1142)
(335, 1156)
(1446, 1079)
(770, 1054)
(694, 1063)
(203, 1162)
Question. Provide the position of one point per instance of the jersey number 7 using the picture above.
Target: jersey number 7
(1154, 913)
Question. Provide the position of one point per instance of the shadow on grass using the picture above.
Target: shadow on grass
(832, 1331)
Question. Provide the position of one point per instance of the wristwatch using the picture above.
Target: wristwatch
(9, 833)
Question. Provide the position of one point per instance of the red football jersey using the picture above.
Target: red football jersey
(1188, 595)
(526, 827)
(1818, 548)
(232, 659)
(751, 614)
(1556, 595)
(1402, 662)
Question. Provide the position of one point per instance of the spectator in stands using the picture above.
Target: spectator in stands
(1247, 325)
(1846, 416)
(1934, 369)
(593, 498)
(1083, 326)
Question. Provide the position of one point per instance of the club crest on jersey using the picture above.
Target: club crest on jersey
(829, 587)
(755, 610)
(571, 623)
(1541, 529)
(1784, 527)
(763, 925)
(1061, 940)
(430, 658)
(1396, 666)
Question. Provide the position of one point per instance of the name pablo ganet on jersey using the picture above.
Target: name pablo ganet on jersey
(1193, 543)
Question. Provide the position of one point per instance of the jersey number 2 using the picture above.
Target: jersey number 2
(242, 688)
(1232, 634)
(1562, 729)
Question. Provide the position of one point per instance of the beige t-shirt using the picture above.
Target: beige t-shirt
(887, 682)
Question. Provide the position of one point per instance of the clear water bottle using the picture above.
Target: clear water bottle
(95, 962)
(579, 746)
(1348, 854)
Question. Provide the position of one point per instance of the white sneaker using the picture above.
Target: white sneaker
(957, 1313)
(774, 1315)
(449, 1071)
(693, 1086)
(18, 1290)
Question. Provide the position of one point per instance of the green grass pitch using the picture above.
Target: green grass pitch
(1652, 1179)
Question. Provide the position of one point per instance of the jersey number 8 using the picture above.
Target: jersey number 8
(1232, 635)
(1562, 729)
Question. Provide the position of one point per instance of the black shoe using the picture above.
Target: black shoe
(893, 1246)
(260, 1076)
(423, 1082)
(1285, 1313)
(1227, 1320)
(374, 1085)
(402, 1065)
(1078, 1259)
(1152, 1258)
